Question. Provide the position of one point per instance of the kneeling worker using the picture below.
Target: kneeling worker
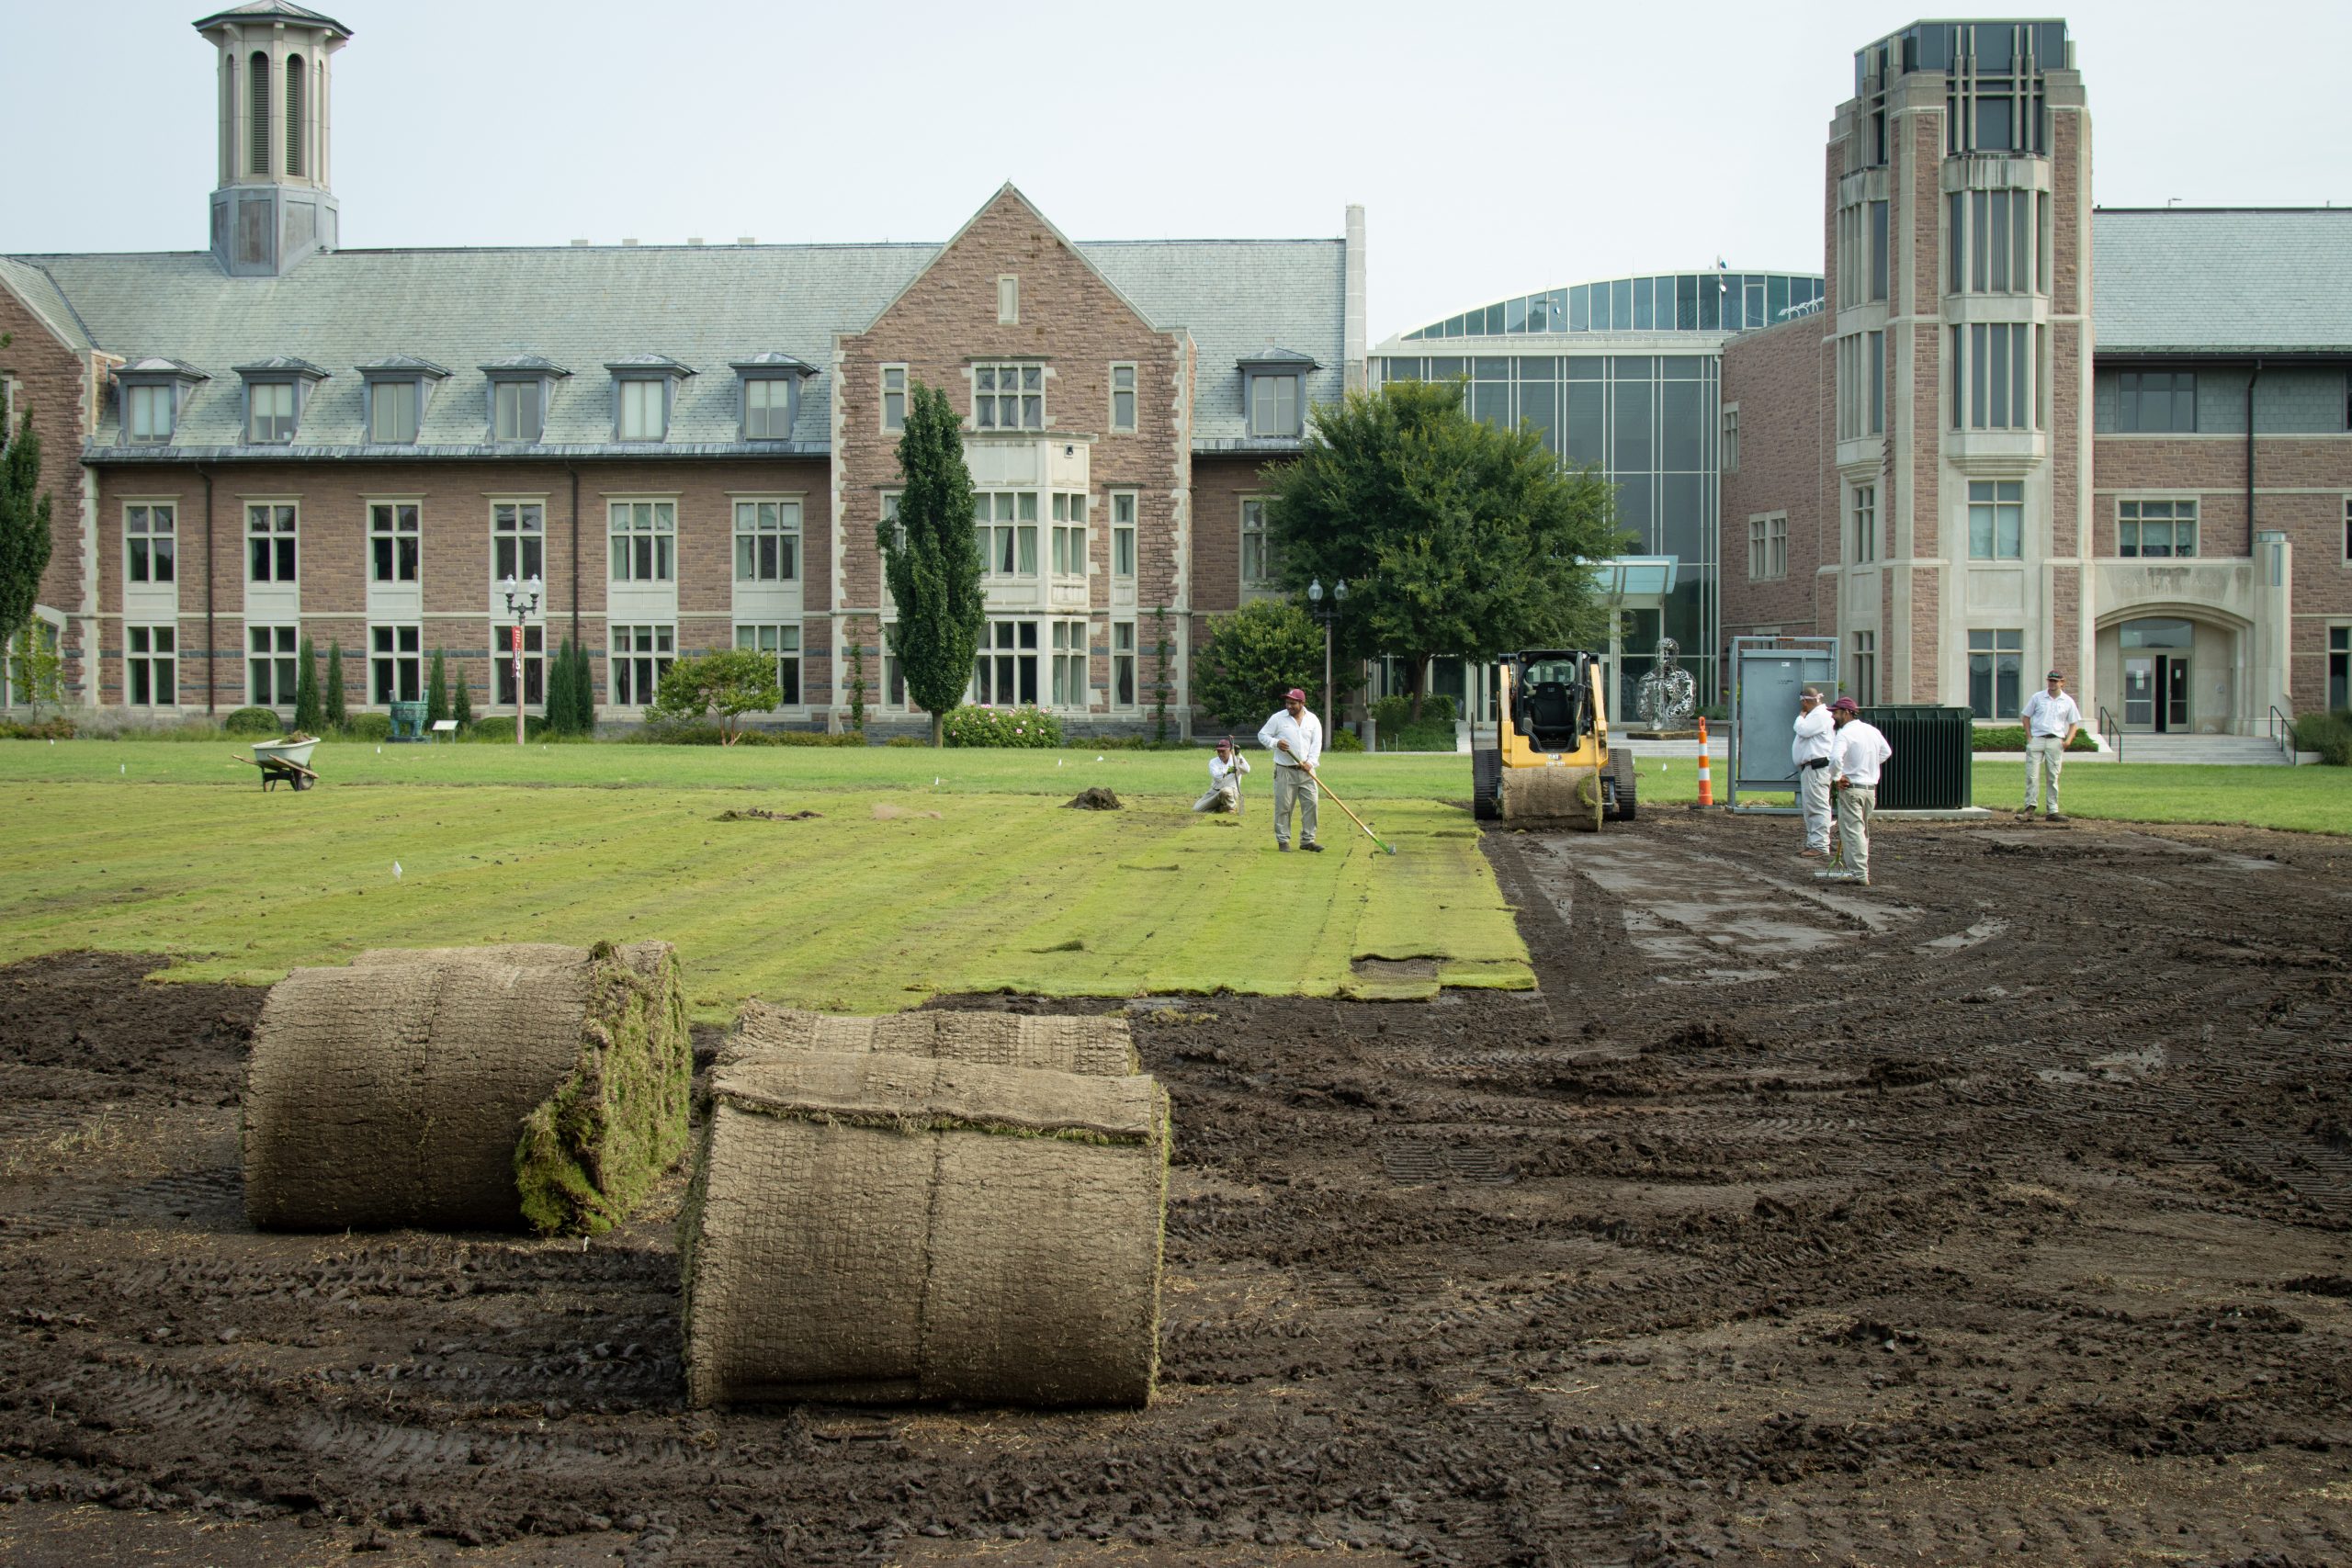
(1295, 738)
(1857, 753)
(1224, 780)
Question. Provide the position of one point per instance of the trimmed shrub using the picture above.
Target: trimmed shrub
(1422, 737)
(708, 734)
(377, 727)
(461, 705)
(2011, 737)
(337, 699)
(502, 728)
(1343, 740)
(1253, 656)
(2329, 734)
(1018, 727)
(907, 742)
(253, 721)
(310, 714)
(57, 729)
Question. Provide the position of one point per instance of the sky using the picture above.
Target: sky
(1498, 149)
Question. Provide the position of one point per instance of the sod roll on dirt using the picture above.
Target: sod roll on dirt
(468, 1088)
(872, 1227)
(1100, 1046)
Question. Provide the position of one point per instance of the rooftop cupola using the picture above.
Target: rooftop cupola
(273, 205)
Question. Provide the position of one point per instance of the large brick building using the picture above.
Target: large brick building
(693, 446)
(2024, 433)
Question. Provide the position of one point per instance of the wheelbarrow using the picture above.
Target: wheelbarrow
(286, 761)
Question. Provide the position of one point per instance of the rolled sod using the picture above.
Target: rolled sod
(870, 1227)
(468, 1088)
(1099, 1046)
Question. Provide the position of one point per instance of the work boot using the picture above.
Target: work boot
(1284, 848)
(1813, 854)
(2025, 813)
(2055, 817)
(1311, 847)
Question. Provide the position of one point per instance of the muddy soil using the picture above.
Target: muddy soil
(2002, 1211)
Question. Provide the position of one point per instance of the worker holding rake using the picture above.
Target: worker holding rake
(1295, 738)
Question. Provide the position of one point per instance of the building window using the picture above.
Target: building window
(1009, 397)
(1123, 664)
(1990, 239)
(392, 412)
(1005, 675)
(150, 658)
(642, 655)
(534, 662)
(2339, 669)
(518, 409)
(393, 541)
(1070, 676)
(894, 398)
(518, 547)
(1989, 370)
(2156, 401)
(1768, 547)
(1879, 259)
(2155, 529)
(269, 542)
(1008, 301)
(1007, 527)
(151, 412)
(271, 667)
(1861, 385)
(1273, 405)
(1865, 522)
(1258, 564)
(1994, 659)
(644, 407)
(1865, 691)
(16, 674)
(271, 411)
(1730, 449)
(644, 538)
(1068, 545)
(768, 408)
(395, 664)
(2347, 530)
(1123, 532)
(1122, 399)
(767, 541)
(781, 643)
(1996, 519)
(148, 544)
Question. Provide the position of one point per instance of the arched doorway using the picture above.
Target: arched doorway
(2158, 653)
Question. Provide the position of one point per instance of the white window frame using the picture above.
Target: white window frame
(272, 664)
(2000, 499)
(1123, 669)
(386, 535)
(1005, 659)
(500, 389)
(514, 542)
(502, 664)
(1991, 649)
(2131, 513)
(641, 653)
(1862, 507)
(780, 640)
(775, 391)
(775, 519)
(395, 662)
(165, 393)
(145, 513)
(650, 522)
(1728, 451)
(1008, 299)
(632, 398)
(152, 650)
(1070, 665)
(1270, 421)
(1023, 397)
(1126, 509)
(894, 398)
(278, 526)
(1768, 547)
(401, 390)
(1865, 690)
(15, 682)
(1066, 535)
(1266, 580)
(292, 416)
(2016, 399)
(1125, 378)
(1007, 537)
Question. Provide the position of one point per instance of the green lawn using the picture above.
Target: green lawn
(147, 847)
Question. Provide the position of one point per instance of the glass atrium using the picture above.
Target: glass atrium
(1718, 301)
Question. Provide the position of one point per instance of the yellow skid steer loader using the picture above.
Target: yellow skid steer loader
(1550, 765)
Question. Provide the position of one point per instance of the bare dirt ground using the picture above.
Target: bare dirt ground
(2001, 1212)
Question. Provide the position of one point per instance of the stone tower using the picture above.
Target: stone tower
(273, 206)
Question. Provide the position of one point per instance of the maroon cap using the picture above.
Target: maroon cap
(1845, 705)
(1294, 695)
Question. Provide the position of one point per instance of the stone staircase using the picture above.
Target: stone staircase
(2245, 750)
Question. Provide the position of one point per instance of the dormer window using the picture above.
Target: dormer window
(154, 392)
(520, 390)
(1274, 390)
(275, 391)
(645, 387)
(770, 385)
(396, 391)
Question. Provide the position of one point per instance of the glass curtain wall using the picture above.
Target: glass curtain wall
(1684, 302)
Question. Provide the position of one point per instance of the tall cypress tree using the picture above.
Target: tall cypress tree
(559, 690)
(584, 691)
(338, 710)
(437, 690)
(308, 717)
(24, 526)
(930, 561)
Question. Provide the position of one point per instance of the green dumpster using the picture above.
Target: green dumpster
(1933, 768)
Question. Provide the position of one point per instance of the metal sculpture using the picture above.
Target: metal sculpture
(1666, 697)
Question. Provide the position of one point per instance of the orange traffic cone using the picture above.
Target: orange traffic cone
(1706, 777)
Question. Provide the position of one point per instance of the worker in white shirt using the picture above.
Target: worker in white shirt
(1810, 753)
(2051, 718)
(1857, 753)
(1224, 780)
(1295, 738)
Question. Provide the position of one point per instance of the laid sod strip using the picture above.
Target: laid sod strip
(873, 1227)
(467, 1089)
(1101, 1046)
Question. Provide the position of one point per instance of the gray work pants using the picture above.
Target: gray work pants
(2044, 755)
(1294, 786)
(1855, 804)
(1813, 794)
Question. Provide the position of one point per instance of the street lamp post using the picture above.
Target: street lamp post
(522, 599)
(1338, 598)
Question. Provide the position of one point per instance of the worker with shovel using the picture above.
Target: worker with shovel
(1295, 738)
(1225, 779)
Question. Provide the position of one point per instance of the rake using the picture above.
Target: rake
(1385, 846)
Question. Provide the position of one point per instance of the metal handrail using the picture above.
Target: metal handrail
(2112, 730)
(2282, 732)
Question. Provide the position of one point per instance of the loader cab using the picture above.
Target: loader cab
(1550, 703)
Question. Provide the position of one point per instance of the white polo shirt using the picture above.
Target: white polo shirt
(2047, 716)
(1812, 732)
(1305, 734)
(1860, 753)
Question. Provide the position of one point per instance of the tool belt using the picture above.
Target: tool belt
(1816, 762)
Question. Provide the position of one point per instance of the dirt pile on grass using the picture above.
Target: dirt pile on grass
(1098, 1046)
(872, 1227)
(1095, 798)
(468, 1088)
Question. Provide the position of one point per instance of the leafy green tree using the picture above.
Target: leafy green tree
(856, 684)
(728, 681)
(308, 716)
(930, 560)
(36, 668)
(1455, 537)
(559, 691)
(1253, 656)
(337, 705)
(436, 689)
(461, 704)
(24, 526)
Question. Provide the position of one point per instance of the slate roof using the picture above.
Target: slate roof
(707, 308)
(2220, 281)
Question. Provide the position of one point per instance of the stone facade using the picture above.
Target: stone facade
(46, 385)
